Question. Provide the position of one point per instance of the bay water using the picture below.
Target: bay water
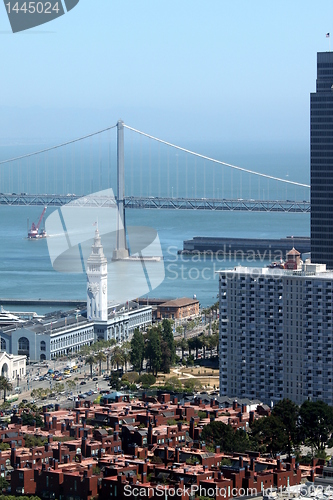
(25, 266)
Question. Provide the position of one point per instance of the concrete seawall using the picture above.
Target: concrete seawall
(253, 246)
(41, 302)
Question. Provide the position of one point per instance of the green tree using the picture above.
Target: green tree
(90, 360)
(85, 350)
(270, 432)
(5, 386)
(147, 380)
(192, 384)
(173, 384)
(288, 413)
(182, 344)
(115, 382)
(70, 385)
(167, 336)
(126, 349)
(31, 441)
(111, 342)
(117, 357)
(213, 342)
(204, 339)
(100, 357)
(153, 350)
(316, 423)
(3, 483)
(28, 419)
(59, 387)
(130, 377)
(137, 351)
(166, 358)
(195, 343)
(217, 433)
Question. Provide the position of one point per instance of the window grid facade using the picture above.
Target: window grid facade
(276, 335)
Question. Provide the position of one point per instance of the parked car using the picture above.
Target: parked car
(83, 382)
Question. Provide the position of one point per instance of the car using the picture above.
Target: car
(95, 379)
(24, 401)
(83, 382)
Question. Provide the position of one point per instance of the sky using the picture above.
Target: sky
(185, 70)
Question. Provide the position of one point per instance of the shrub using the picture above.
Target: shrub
(131, 377)
(147, 379)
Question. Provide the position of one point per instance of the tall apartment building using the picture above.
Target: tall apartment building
(276, 333)
(321, 139)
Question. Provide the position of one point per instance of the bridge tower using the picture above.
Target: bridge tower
(121, 250)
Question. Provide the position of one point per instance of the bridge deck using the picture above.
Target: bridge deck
(151, 202)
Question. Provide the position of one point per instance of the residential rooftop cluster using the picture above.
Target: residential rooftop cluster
(123, 448)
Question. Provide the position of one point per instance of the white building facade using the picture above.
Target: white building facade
(276, 333)
(97, 282)
(121, 325)
(12, 367)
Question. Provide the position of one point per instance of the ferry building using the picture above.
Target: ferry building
(63, 333)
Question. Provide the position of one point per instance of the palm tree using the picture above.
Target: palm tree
(110, 344)
(126, 348)
(70, 384)
(100, 357)
(90, 360)
(183, 345)
(117, 357)
(76, 380)
(85, 350)
(205, 343)
(5, 386)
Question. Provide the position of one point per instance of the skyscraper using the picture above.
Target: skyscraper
(321, 124)
(276, 333)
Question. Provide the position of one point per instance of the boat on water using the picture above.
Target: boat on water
(7, 318)
(34, 232)
(11, 318)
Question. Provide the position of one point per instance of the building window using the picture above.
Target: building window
(23, 346)
(43, 346)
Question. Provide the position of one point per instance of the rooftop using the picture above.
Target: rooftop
(184, 301)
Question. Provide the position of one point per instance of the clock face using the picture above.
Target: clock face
(93, 289)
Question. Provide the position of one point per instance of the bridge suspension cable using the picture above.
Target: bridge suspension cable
(57, 146)
(235, 167)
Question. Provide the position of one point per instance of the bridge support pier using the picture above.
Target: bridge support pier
(121, 250)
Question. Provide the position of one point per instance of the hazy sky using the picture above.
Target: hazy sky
(184, 70)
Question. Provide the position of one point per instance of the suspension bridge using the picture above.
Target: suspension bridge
(168, 177)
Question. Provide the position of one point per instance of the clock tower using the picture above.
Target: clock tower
(97, 282)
